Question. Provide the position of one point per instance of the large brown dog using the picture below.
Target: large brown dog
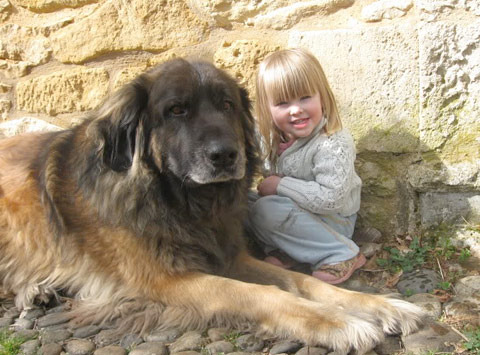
(138, 212)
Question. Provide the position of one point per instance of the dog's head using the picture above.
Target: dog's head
(189, 119)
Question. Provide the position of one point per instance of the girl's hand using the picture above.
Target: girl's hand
(269, 185)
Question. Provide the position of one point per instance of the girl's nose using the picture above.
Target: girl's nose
(295, 109)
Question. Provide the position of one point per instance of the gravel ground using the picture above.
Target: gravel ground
(47, 330)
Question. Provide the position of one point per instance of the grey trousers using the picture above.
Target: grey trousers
(280, 224)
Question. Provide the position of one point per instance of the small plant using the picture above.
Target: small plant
(444, 248)
(444, 285)
(440, 240)
(434, 248)
(406, 261)
(9, 344)
(464, 255)
(473, 343)
(232, 337)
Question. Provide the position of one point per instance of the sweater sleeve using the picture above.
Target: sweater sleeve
(333, 171)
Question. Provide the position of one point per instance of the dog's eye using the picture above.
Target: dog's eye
(227, 105)
(178, 110)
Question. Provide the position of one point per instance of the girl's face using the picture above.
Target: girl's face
(298, 117)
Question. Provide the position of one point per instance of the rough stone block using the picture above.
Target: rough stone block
(435, 174)
(127, 74)
(373, 73)
(276, 14)
(66, 91)
(450, 87)
(386, 9)
(22, 43)
(436, 208)
(241, 59)
(136, 25)
(51, 5)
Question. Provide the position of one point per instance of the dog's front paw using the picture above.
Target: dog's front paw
(332, 328)
(400, 316)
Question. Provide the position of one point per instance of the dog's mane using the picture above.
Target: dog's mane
(155, 205)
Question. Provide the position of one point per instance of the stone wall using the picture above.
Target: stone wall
(406, 74)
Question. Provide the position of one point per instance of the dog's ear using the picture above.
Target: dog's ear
(252, 145)
(118, 120)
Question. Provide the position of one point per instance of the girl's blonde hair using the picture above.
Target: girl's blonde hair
(285, 75)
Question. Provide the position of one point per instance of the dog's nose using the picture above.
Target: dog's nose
(222, 155)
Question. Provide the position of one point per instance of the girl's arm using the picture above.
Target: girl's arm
(335, 179)
(268, 186)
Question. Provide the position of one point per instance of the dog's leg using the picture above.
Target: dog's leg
(393, 314)
(275, 311)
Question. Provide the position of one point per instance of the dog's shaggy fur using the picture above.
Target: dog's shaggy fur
(137, 212)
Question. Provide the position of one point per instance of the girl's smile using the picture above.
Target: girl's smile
(297, 117)
(300, 123)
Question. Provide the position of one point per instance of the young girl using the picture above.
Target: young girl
(305, 212)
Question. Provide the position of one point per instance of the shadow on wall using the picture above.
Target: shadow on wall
(409, 187)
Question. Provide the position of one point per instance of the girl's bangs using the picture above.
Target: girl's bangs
(286, 83)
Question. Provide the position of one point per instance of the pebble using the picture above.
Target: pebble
(87, 331)
(51, 349)
(250, 343)
(367, 235)
(80, 347)
(191, 340)
(12, 313)
(418, 281)
(356, 284)
(370, 249)
(5, 322)
(285, 346)
(311, 350)
(22, 323)
(216, 334)
(57, 326)
(428, 302)
(166, 336)
(33, 313)
(391, 345)
(433, 337)
(53, 319)
(110, 350)
(466, 303)
(60, 308)
(221, 346)
(30, 347)
(468, 286)
(151, 348)
(55, 336)
(130, 340)
(463, 307)
(26, 333)
(107, 337)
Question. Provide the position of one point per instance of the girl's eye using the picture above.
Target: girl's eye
(305, 97)
(281, 103)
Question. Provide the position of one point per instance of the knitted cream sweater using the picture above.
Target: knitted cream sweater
(318, 173)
